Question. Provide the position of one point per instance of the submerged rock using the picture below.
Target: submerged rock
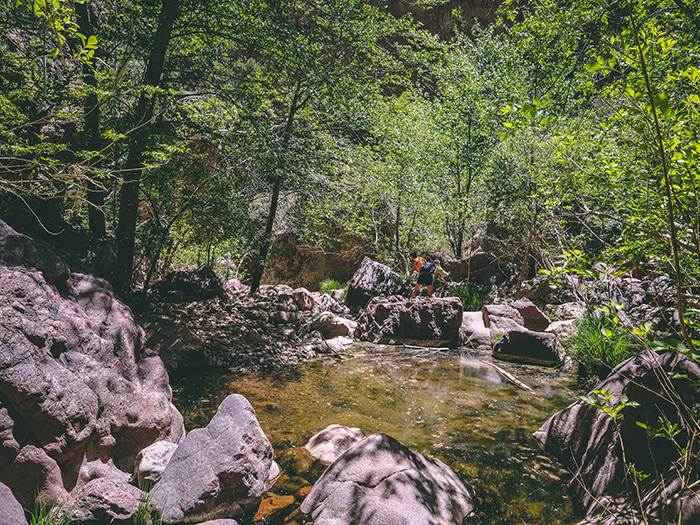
(333, 441)
(380, 480)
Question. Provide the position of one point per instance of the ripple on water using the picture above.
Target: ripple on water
(449, 405)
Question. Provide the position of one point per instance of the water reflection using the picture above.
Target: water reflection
(452, 406)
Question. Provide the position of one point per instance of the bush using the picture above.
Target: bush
(600, 344)
(331, 284)
(472, 298)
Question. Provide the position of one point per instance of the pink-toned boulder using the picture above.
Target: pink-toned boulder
(421, 321)
(533, 318)
(587, 441)
(331, 442)
(373, 279)
(501, 318)
(521, 345)
(76, 381)
(11, 512)
(474, 331)
(218, 471)
(381, 481)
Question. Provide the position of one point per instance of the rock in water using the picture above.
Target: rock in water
(380, 480)
(217, 471)
(421, 321)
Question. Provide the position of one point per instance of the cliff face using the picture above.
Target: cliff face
(439, 21)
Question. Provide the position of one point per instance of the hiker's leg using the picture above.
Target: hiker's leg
(415, 291)
(430, 290)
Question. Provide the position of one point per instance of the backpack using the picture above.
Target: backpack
(428, 267)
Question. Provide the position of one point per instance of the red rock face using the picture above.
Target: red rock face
(439, 20)
(76, 382)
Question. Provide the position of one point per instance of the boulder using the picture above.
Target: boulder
(224, 521)
(105, 500)
(151, 462)
(190, 284)
(421, 321)
(381, 481)
(533, 318)
(521, 345)
(76, 381)
(331, 442)
(11, 512)
(566, 311)
(589, 443)
(176, 344)
(373, 279)
(501, 318)
(217, 471)
(473, 329)
(331, 325)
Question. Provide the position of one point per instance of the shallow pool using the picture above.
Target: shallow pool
(449, 405)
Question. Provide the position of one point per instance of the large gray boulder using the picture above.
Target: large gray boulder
(420, 321)
(381, 481)
(11, 512)
(373, 279)
(76, 381)
(217, 471)
(599, 450)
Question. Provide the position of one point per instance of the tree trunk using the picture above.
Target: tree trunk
(266, 241)
(91, 136)
(132, 170)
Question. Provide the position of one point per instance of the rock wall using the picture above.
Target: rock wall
(77, 383)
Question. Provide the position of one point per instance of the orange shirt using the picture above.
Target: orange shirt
(417, 263)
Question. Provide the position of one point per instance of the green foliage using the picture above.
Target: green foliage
(600, 343)
(331, 284)
(471, 297)
(47, 514)
(148, 512)
(603, 399)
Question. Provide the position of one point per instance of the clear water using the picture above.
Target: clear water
(451, 406)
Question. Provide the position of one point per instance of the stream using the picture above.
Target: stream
(448, 405)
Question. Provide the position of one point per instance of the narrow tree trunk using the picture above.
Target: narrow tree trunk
(132, 170)
(91, 138)
(267, 237)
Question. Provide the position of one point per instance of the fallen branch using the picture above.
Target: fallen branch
(510, 377)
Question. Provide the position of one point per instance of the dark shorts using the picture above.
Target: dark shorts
(426, 279)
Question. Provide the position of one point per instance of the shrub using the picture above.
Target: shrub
(330, 284)
(600, 344)
(472, 298)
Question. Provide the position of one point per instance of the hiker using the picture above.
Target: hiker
(440, 275)
(425, 277)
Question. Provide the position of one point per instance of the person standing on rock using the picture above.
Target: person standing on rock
(425, 275)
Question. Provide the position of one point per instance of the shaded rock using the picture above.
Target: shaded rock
(76, 381)
(566, 311)
(333, 441)
(99, 469)
(338, 344)
(176, 344)
(107, 501)
(586, 441)
(373, 279)
(473, 329)
(533, 318)
(525, 346)
(11, 512)
(190, 284)
(422, 321)
(381, 481)
(217, 471)
(543, 289)
(151, 462)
